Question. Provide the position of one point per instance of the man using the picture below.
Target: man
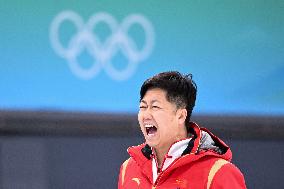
(177, 154)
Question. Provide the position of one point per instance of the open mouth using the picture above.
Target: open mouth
(150, 129)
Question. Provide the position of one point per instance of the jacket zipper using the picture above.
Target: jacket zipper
(158, 179)
(162, 172)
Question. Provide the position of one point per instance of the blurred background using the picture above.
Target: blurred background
(71, 71)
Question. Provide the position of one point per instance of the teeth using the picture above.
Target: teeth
(150, 129)
(148, 126)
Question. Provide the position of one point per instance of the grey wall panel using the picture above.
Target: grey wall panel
(93, 162)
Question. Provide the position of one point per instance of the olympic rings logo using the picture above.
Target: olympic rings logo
(102, 53)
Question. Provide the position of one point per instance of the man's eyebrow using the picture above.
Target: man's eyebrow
(152, 101)
(143, 101)
(156, 100)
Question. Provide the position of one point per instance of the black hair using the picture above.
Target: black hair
(180, 89)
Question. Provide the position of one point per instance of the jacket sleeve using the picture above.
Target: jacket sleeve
(122, 174)
(119, 185)
(228, 176)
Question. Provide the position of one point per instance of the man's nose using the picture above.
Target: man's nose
(147, 114)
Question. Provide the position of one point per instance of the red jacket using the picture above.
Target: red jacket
(201, 167)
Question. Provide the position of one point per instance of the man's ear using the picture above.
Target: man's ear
(182, 114)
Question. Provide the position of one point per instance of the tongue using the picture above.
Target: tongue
(152, 130)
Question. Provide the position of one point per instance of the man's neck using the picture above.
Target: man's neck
(160, 155)
(162, 152)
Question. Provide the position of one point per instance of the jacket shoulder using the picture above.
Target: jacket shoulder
(226, 175)
(127, 168)
(122, 172)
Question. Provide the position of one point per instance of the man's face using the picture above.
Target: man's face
(159, 119)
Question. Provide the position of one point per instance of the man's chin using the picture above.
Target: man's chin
(151, 144)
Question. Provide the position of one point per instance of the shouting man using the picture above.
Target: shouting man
(177, 153)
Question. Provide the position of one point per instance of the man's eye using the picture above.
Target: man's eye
(142, 107)
(156, 107)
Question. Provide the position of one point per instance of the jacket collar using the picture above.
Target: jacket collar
(175, 152)
(143, 154)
